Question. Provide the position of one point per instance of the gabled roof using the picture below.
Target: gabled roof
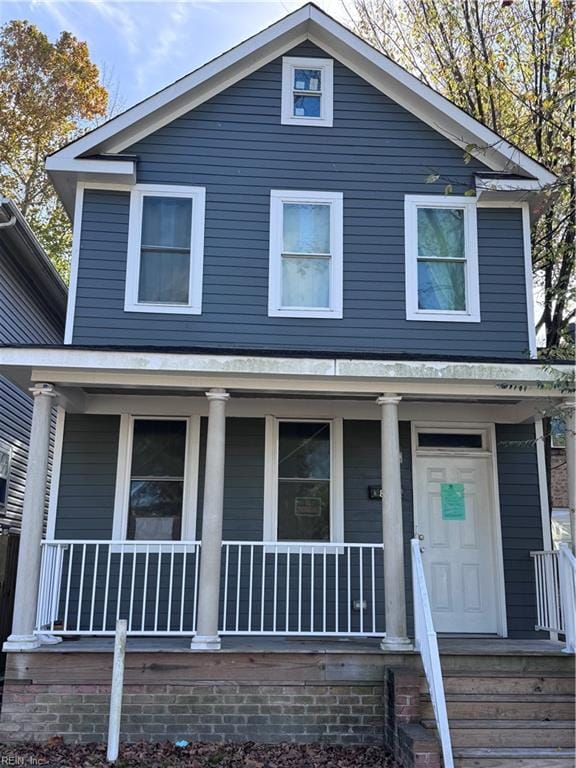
(307, 23)
(29, 256)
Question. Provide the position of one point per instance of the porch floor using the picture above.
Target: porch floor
(477, 645)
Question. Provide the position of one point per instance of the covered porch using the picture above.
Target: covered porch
(320, 551)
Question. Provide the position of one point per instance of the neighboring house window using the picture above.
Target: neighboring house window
(307, 91)
(165, 249)
(5, 462)
(305, 254)
(304, 481)
(442, 281)
(557, 432)
(156, 479)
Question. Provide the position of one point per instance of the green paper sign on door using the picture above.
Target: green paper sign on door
(452, 497)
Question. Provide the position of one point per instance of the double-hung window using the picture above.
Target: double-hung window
(307, 91)
(165, 249)
(305, 254)
(304, 477)
(156, 479)
(442, 281)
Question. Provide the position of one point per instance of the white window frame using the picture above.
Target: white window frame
(137, 194)
(336, 479)
(472, 312)
(123, 472)
(326, 66)
(6, 448)
(336, 202)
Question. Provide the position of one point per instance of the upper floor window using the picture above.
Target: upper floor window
(305, 254)
(307, 91)
(441, 259)
(557, 432)
(165, 249)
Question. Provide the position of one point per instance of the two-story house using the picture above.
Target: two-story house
(288, 352)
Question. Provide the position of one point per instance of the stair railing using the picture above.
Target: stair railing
(427, 645)
(567, 574)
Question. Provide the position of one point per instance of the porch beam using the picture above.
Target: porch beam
(29, 554)
(320, 385)
(392, 528)
(207, 637)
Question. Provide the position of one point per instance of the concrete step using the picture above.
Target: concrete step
(506, 706)
(509, 733)
(502, 757)
(553, 683)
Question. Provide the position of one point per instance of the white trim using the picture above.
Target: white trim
(498, 542)
(543, 486)
(489, 431)
(74, 264)
(270, 513)
(80, 366)
(468, 205)
(56, 469)
(190, 486)
(336, 202)
(326, 67)
(527, 245)
(137, 195)
(506, 185)
(109, 167)
(310, 23)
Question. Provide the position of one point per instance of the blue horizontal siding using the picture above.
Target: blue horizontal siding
(235, 146)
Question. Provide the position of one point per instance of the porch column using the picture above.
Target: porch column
(394, 587)
(28, 574)
(207, 638)
(570, 419)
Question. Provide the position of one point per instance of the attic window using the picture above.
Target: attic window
(307, 91)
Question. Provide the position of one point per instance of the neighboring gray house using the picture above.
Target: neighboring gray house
(32, 311)
(293, 369)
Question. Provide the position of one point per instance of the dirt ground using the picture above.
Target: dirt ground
(56, 754)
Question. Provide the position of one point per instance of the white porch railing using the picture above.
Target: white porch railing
(427, 644)
(555, 573)
(266, 588)
(86, 586)
(325, 589)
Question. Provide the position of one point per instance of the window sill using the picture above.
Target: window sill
(444, 317)
(164, 309)
(294, 548)
(328, 314)
(315, 122)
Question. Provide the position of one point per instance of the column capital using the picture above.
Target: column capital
(41, 388)
(217, 394)
(389, 399)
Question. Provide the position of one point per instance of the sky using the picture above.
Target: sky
(142, 45)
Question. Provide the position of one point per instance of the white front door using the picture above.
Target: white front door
(454, 513)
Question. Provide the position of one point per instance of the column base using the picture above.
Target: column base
(205, 643)
(21, 643)
(396, 644)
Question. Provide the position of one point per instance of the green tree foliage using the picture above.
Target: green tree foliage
(49, 94)
(512, 65)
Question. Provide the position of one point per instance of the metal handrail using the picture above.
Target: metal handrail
(427, 644)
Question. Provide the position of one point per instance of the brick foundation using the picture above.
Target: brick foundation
(342, 713)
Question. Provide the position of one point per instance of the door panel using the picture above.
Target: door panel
(458, 554)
